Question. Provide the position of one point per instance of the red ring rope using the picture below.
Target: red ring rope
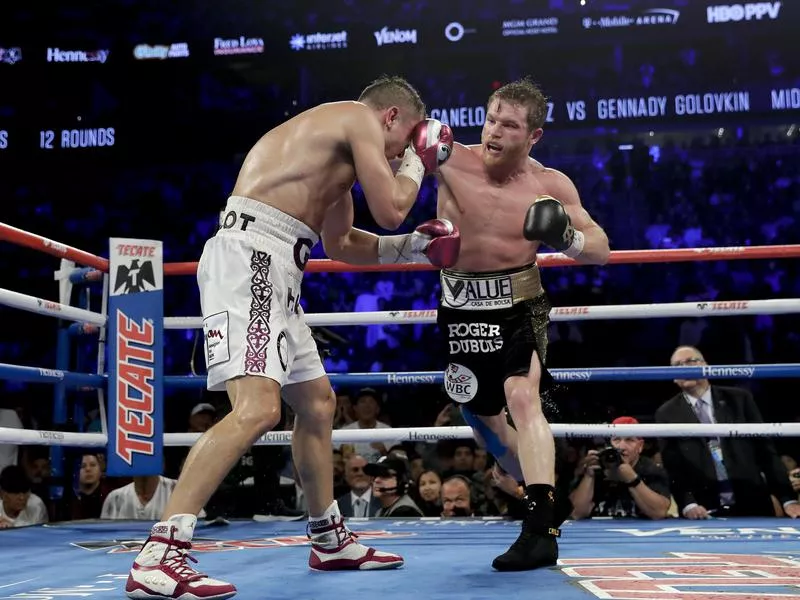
(618, 257)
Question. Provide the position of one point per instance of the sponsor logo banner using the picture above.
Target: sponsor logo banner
(10, 56)
(750, 11)
(239, 45)
(386, 36)
(530, 26)
(200, 544)
(318, 41)
(684, 576)
(57, 55)
(135, 388)
(654, 17)
(161, 52)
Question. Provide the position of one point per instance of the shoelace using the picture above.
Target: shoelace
(343, 534)
(175, 556)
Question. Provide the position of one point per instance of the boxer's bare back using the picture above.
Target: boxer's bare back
(306, 165)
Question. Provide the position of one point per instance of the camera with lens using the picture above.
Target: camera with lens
(609, 457)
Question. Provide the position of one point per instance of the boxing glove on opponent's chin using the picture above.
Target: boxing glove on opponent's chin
(546, 221)
(431, 146)
(436, 242)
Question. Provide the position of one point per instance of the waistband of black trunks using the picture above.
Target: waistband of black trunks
(496, 290)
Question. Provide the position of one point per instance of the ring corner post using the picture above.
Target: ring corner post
(135, 350)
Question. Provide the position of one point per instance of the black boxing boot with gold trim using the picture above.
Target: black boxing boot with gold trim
(536, 545)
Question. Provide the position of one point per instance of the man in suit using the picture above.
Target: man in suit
(729, 476)
(359, 501)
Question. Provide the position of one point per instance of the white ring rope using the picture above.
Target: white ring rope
(50, 308)
(430, 434)
(560, 313)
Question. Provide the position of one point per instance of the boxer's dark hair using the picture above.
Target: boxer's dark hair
(390, 90)
(524, 92)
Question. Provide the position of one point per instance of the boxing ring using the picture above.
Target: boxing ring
(445, 558)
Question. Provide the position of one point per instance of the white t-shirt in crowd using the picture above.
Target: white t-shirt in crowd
(369, 453)
(35, 512)
(123, 503)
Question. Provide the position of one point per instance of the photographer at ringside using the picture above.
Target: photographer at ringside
(618, 482)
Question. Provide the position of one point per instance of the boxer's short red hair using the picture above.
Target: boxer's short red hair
(524, 92)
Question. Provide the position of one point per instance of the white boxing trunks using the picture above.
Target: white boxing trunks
(249, 276)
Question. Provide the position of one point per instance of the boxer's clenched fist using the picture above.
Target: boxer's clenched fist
(432, 141)
(435, 242)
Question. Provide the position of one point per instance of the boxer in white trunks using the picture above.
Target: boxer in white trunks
(293, 189)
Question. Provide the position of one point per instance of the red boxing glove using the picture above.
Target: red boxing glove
(445, 242)
(432, 141)
(436, 242)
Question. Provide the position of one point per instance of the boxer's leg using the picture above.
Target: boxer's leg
(314, 405)
(256, 410)
(333, 547)
(536, 546)
(161, 570)
(498, 437)
(536, 446)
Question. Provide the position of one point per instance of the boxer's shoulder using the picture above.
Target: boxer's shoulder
(462, 157)
(552, 180)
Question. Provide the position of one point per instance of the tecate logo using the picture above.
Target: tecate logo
(395, 36)
(743, 12)
(135, 427)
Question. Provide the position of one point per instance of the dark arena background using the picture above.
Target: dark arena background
(677, 120)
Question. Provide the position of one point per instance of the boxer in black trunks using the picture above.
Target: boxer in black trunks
(493, 311)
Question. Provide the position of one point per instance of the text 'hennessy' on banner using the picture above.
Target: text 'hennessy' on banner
(135, 388)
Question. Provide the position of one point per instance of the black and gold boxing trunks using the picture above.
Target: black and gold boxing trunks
(491, 323)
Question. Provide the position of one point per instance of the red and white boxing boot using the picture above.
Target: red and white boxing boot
(334, 547)
(161, 569)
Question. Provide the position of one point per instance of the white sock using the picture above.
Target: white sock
(330, 515)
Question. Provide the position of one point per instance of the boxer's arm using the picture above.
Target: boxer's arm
(389, 197)
(344, 242)
(596, 249)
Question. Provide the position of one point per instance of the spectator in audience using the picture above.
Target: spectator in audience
(36, 462)
(367, 408)
(345, 413)
(359, 501)
(339, 484)
(86, 502)
(202, 417)
(390, 486)
(18, 506)
(794, 479)
(428, 490)
(463, 459)
(457, 497)
(722, 476)
(618, 482)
